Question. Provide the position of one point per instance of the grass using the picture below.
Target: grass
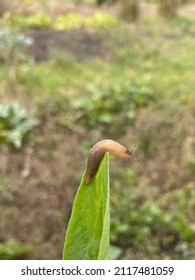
(140, 52)
(153, 203)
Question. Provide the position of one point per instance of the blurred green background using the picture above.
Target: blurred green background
(73, 73)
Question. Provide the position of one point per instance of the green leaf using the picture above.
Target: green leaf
(88, 232)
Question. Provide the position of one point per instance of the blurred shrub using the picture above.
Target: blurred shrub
(102, 20)
(154, 227)
(115, 105)
(100, 2)
(13, 44)
(129, 10)
(38, 21)
(186, 1)
(118, 228)
(169, 8)
(187, 251)
(10, 250)
(14, 124)
(182, 20)
(69, 21)
(191, 165)
(12, 50)
(5, 188)
(74, 21)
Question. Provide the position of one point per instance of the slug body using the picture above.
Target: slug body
(97, 153)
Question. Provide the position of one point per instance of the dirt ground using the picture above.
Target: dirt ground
(43, 185)
(78, 43)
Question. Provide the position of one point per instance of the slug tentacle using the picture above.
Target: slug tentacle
(97, 152)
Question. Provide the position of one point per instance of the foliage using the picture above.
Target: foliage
(37, 21)
(12, 50)
(10, 250)
(5, 188)
(182, 21)
(13, 44)
(87, 236)
(68, 21)
(74, 20)
(116, 105)
(191, 165)
(129, 10)
(150, 227)
(100, 2)
(14, 124)
(169, 8)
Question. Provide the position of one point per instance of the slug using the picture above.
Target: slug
(97, 152)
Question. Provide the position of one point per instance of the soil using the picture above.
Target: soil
(43, 184)
(78, 43)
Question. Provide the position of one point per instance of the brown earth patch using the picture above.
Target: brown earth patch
(80, 43)
(39, 203)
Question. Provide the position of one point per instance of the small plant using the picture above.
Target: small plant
(169, 8)
(14, 124)
(105, 106)
(191, 165)
(10, 250)
(12, 49)
(5, 188)
(129, 10)
(12, 44)
(153, 226)
(76, 21)
(100, 2)
(186, 250)
(38, 21)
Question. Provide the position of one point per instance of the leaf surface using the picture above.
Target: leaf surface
(88, 233)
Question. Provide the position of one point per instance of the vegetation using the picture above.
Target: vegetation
(74, 20)
(91, 76)
(11, 250)
(12, 51)
(129, 10)
(169, 8)
(38, 21)
(88, 233)
(14, 124)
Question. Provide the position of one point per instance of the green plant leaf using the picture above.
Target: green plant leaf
(88, 232)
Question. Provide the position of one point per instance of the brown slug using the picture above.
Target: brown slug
(97, 152)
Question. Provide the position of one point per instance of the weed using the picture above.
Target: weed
(10, 250)
(5, 188)
(12, 50)
(75, 21)
(115, 105)
(38, 21)
(13, 44)
(191, 165)
(129, 10)
(14, 124)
